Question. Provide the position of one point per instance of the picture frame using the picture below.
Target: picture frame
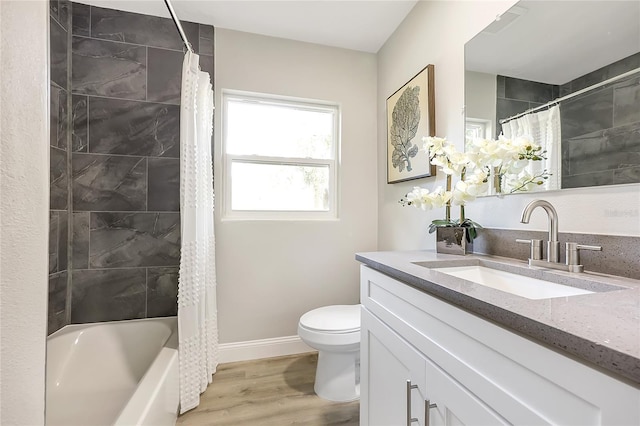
(410, 117)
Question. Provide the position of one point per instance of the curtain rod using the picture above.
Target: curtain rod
(571, 95)
(178, 25)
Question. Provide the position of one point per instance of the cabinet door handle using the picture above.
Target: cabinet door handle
(409, 388)
(427, 407)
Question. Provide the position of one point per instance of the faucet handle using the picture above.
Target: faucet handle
(573, 255)
(536, 248)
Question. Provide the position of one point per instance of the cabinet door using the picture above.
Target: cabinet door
(392, 380)
(453, 405)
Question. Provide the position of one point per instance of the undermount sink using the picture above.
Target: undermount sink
(531, 288)
(518, 280)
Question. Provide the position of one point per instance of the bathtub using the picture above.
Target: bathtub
(113, 373)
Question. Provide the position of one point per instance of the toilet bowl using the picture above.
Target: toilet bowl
(335, 332)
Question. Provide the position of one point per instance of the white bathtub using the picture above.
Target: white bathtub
(113, 373)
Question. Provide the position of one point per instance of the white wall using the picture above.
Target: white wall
(271, 272)
(480, 97)
(24, 209)
(435, 33)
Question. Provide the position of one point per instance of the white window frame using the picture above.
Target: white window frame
(481, 124)
(228, 159)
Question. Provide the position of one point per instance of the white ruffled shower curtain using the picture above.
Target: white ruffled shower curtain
(544, 128)
(197, 310)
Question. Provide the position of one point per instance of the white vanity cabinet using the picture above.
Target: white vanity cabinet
(471, 371)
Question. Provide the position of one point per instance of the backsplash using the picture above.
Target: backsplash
(619, 255)
(124, 163)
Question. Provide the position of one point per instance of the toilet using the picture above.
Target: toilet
(335, 332)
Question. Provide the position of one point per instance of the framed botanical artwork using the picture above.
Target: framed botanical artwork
(410, 117)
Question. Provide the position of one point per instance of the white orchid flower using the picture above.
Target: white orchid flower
(434, 145)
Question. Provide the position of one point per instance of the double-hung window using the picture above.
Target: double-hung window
(280, 157)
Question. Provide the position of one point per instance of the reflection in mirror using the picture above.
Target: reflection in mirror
(567, 74)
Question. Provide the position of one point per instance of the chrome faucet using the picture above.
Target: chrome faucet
(553, 245)
(572, 263)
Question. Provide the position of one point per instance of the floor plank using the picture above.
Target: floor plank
(268, 392)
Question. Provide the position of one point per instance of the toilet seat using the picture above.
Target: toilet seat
(335, 319)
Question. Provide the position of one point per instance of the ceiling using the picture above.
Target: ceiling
(556, 41)
(362, 25)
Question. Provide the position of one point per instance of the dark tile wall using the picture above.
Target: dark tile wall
(601, 128)
(516, 95)
(119, 194)
(125, 79)
(59, 22)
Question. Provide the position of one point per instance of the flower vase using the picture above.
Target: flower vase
(497, 183)
(453, 240)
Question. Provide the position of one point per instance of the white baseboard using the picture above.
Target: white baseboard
(264, 348)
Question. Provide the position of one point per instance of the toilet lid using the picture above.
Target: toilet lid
(333, 319)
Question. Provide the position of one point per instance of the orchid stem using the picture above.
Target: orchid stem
(448, 205)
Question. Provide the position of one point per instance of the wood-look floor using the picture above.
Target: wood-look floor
(268, 392)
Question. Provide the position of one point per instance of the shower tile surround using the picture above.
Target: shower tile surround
(600, 129)
(59, 195)
(115, 169)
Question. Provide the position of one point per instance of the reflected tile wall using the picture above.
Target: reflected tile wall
(601, 129)
(626, 64)
(515, 95)
(125, 131)
(627, 97)
(586, 114)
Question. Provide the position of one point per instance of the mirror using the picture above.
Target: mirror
(583, 54)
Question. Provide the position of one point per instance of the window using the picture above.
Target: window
(476, 128)
(280, 158)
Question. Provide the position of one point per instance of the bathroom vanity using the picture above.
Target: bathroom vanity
(438, 349)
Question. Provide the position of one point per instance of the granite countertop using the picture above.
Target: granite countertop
(601, 328)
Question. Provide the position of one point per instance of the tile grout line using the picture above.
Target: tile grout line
(146, 292)
(104, 154)
(107, 40)
(125, 99)
(69, 163)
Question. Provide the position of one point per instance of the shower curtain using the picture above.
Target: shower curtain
(544, 128)
(197, 311)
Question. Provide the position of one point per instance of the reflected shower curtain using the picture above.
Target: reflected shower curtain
(197, 311)
(544, 128)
